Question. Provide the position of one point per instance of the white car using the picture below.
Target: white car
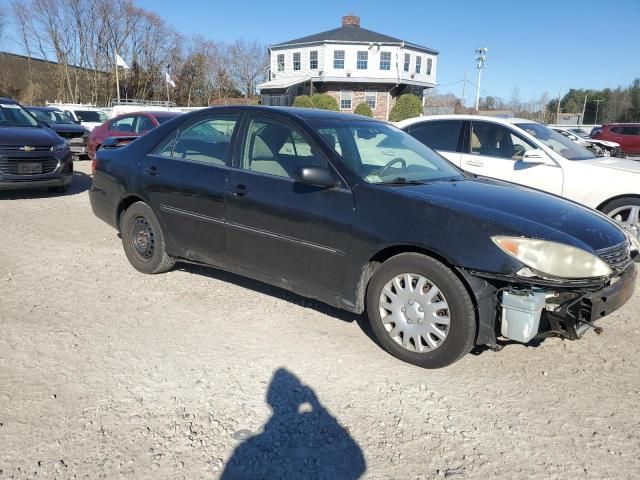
(603, 148)
(88, 116)
(531, 154)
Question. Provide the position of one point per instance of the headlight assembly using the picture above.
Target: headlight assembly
(60, 147)
(553, 259)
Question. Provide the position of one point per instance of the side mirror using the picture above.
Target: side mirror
(536, 157)
(317, 176)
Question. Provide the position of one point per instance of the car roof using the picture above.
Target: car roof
(302, 113)
(621, 124)
(430, 118)
(43, 109)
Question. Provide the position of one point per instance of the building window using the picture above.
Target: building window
(385, 60)
(363, 60)
(418, 64)
(407, 61)
(345, 99)
(313, 60)
(370, 98)
(296, 61)
(429, 64)
(338, 59)
(281, 62)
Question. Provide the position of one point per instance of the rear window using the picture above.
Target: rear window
(439, 135)
(630, 130)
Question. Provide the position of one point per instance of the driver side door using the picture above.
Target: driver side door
(495, 150)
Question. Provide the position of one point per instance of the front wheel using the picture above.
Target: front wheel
(625, 211)
(420, 311)
(143, 240)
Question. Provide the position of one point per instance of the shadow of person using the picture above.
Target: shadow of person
(300, 440)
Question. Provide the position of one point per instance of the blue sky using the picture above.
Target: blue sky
(536, 46)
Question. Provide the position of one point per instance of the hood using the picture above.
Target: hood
(614, 163)
(67, 127)
(606, 143)
(523, 211)
(28, 136)
(91, 125)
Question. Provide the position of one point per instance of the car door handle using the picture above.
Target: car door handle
(240, 190)
(152, 170)
(474, 163)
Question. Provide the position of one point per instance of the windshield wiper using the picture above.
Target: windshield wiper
(402, 181)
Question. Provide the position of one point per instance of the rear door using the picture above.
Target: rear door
(280, 227)
(495, 150)
(444, 136)
(185, 178)
(630, 139)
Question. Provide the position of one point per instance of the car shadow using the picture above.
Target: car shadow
(80, 183)
(300, 440)
(281, 294)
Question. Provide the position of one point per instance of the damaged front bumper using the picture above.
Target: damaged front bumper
(571, 307)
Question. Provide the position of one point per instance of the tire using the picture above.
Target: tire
(435, 351)
(143, 240)
(60, 189)
(625, 210)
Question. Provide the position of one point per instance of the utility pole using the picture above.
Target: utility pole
(584, 107)
(597, 105)
(481, 56)
(558, 109)
(464, 84)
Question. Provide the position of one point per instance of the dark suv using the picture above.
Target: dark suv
(31, 154)
(65, 126)
(626, 134)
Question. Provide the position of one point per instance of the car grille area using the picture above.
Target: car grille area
(70, 135)
(28, 166)
(617, 257)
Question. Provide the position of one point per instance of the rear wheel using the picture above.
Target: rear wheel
(143, 240)
(420, 311)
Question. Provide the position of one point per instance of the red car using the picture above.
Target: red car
(626, 134)
(128, 124)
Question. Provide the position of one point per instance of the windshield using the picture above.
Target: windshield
(13, 115)
(557, 142)
(51, 116)
(380, 153)
(91, 116)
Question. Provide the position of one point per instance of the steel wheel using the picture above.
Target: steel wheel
(414, 312)
(142, 238)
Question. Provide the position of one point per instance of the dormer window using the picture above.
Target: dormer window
(385, 60)
(338, 59)
(418, 64)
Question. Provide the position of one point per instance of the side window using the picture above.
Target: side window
(494, 140)
(630, 130)
(616, 129)
(277, 149)
(124, 124)
(207, 140)
(442, 135)
(143, 124)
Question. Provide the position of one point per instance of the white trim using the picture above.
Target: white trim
(375, 98)
(350, 99)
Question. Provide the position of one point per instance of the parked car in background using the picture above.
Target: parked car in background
(531, 154)
(127, 125)
(356, 213)
(31, 154)
(63, 125)
(88, 116)
(600, 148)
(626, 134)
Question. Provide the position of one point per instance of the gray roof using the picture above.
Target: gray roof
(354, 34)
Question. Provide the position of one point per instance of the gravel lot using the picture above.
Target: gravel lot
(105, 373)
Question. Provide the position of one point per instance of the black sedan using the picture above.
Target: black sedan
(355, 213)
(61, 123)
(31, 155)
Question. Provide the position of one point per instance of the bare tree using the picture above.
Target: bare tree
(247, 61)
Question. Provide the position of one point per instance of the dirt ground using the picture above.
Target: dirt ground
(108, 373)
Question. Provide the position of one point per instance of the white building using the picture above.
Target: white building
(352, 64)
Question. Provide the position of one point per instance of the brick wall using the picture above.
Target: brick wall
(358, 96)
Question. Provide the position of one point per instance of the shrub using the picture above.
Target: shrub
(363, 109)
(324, 102)
(303, 101)
(407, 106)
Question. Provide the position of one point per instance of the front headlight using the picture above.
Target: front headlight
(60, 147)
(553, 259)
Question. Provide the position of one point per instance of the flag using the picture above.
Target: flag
(167, 78)
(121, 63)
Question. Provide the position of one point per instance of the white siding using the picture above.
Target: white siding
(289, 72)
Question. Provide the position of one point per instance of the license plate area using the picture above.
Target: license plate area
(29, 168)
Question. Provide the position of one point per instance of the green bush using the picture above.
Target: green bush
(324, 102)
(407, 106)
(363, 109)
(303, 101)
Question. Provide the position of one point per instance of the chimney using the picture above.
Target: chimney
(350, 21)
